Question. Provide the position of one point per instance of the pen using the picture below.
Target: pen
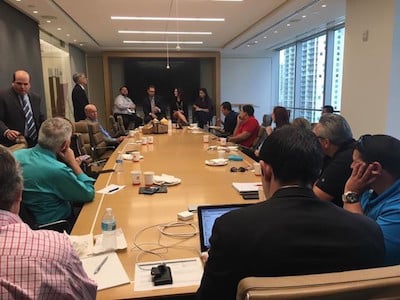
(113, 190)
(100, 265)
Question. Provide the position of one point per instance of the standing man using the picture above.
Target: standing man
(53, 178)
(19, 111)
(336, 139)
(152, 105)
(291, 233)
(35, 264)
(125, 107)
(246, 128)
(79, 96)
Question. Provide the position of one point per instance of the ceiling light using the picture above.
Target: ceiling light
(288, 24)
(227, 0)
(75, 40)
(323, 5)
(35, 12)
(255, 42)
(167, 19)
(304, 16)
(166, 32)
(18, 0)
(163, 42)
(59, 28)
(80, 44)
(265, 37)
(48, 21)
(67, 34)
(276, 31)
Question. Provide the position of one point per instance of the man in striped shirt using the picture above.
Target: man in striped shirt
(34, 264)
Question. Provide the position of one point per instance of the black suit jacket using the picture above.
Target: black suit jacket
(79, 100)
(147, 108)
(292, 233)
(12, 115)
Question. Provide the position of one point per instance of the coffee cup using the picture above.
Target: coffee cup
(257, 169)
(150, 139)
(148, 178)
(222, 141)
(144, 140)
(135, 175)
(221, 153)
(135, 155)
(205, 138)
(131, 133)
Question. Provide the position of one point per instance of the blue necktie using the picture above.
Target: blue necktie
(30, 128)
(105, 132)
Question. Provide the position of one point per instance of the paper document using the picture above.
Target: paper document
(111, 189)
(246, 186)
(110, 271)
(185, 272)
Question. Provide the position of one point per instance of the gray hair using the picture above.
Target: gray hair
(76, 77)
(11, 182)
(54, 132)
(335, 128)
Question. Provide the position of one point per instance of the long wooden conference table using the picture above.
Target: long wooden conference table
(180, 153)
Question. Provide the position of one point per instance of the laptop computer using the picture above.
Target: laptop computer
(207, 215)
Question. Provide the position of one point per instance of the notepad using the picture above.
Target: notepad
(242, 187)
(112, 273)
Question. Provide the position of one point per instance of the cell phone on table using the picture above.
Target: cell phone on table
(150, 190)
(250, 196)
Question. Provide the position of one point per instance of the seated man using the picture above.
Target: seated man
(246, 128)
(291, 233)
(230, 120)
(37, 264)
(91, 116)
(124, 106)
(373, 188)
(51, 184)
(153, 107)
(336, 138)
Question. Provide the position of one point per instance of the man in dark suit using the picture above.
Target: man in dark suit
(19, 111)
(79, 96)
(291, 233)
(152, 105)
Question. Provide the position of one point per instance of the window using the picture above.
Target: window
(310, 74)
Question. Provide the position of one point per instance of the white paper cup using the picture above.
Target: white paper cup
(144, 140)
(257, 169)
(148, 177)
(205, 138)
(150, 139)
(221, 153)
(222, 141)
(135, 155)
(194, 125)
(131, 133)
(135, 175)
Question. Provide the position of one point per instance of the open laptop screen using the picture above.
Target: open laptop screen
(207, 215)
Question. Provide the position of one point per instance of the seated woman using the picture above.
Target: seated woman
(203, 108)
(179, 108)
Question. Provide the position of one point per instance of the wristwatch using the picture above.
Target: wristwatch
(351, 197)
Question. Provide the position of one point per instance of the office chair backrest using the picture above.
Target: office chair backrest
(82, 129)
(97, 142)
(375, 283)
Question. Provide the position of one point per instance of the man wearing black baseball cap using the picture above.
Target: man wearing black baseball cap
(373, 189)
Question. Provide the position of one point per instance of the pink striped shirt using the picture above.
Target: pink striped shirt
(39, 264)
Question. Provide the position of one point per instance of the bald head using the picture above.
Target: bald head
(21, 82)
(91, 112)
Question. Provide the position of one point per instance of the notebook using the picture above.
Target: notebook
(207, 215)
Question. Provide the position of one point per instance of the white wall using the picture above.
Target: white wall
(247, 81)
(371, 67)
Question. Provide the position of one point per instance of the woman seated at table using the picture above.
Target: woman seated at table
(203, 108)
(179, 108)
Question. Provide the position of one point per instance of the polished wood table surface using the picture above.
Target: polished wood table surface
(180, 153)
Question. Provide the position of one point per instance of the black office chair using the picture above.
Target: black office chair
(26, 216)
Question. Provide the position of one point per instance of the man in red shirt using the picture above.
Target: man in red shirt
(246, 128)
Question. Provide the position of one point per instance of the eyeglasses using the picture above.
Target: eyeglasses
(240, 169)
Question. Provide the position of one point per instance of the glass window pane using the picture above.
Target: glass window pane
(337, 72)
(287, 72)
(312, 75)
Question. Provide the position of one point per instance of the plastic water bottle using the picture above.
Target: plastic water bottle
(119, 168)
(109, 230)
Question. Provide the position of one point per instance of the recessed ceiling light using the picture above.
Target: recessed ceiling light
(167, 19)
(248, 46)
(163, 42)
(18, 0)
(80, 44)
(276, 31)
(304, 16)
(59, 28)
(255, 42)
(323, 5)
(166, 32)
(265, 37)
(288, 24)
(48, 21)
(75, 40)
(35, 12)
(68, 34)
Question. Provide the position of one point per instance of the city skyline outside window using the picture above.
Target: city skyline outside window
(310, 76)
